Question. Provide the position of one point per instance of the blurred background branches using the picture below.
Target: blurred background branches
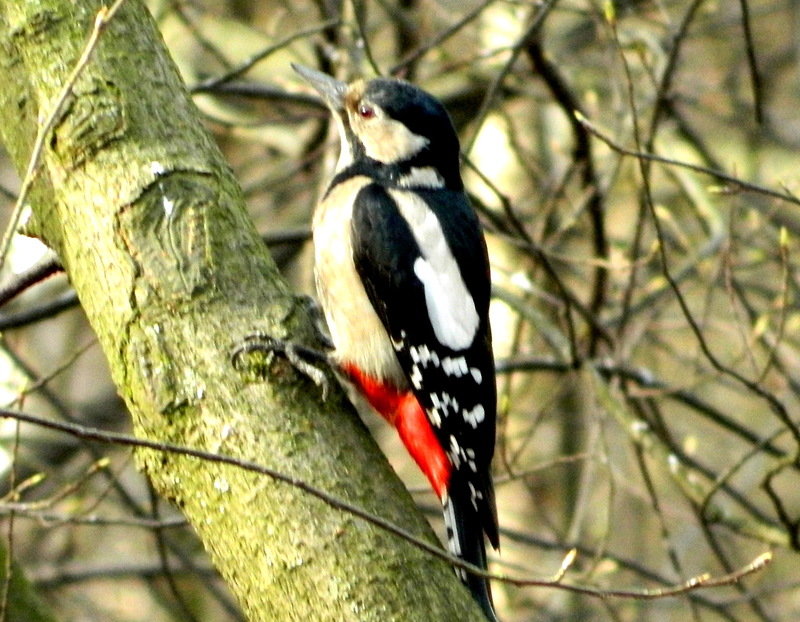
(635, 167)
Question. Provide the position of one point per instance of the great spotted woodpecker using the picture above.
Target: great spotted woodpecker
(402, 274)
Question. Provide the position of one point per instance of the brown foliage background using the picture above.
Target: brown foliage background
(634, 164)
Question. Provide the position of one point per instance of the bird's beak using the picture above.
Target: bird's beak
(331, 90)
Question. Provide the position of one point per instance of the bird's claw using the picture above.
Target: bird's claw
(304, 359)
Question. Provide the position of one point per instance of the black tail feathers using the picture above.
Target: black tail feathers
(465, 539)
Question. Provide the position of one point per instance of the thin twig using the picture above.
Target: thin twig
(18, 283)
(783, 247)
(101, 21)
(362, 43)
(582, 154)
(211, 84)
(116, 438)
(752, 63)
(11, 500)
(9, 542)
(48, 519)
(67, 300)
(163, 556)
(439, 39)
(538, 15)
(775, 404)
(735, 184)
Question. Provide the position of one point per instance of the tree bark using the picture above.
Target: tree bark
(151, 227)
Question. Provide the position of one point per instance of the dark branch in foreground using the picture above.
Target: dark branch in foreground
(116, 438)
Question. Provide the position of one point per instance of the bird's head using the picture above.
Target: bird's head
(392, 126)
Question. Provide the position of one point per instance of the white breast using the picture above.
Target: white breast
(357, 333)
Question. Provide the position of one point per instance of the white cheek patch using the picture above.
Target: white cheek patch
(387, 140)
(450, 306)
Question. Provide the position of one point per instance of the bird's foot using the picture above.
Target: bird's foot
(308, 361)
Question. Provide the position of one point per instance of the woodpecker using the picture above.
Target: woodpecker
(402, 274)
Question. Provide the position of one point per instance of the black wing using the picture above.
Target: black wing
(456, 387)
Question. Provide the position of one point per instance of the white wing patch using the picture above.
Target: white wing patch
(450, 306)
(452, 328)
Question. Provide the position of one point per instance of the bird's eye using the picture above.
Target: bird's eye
(365, 111)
